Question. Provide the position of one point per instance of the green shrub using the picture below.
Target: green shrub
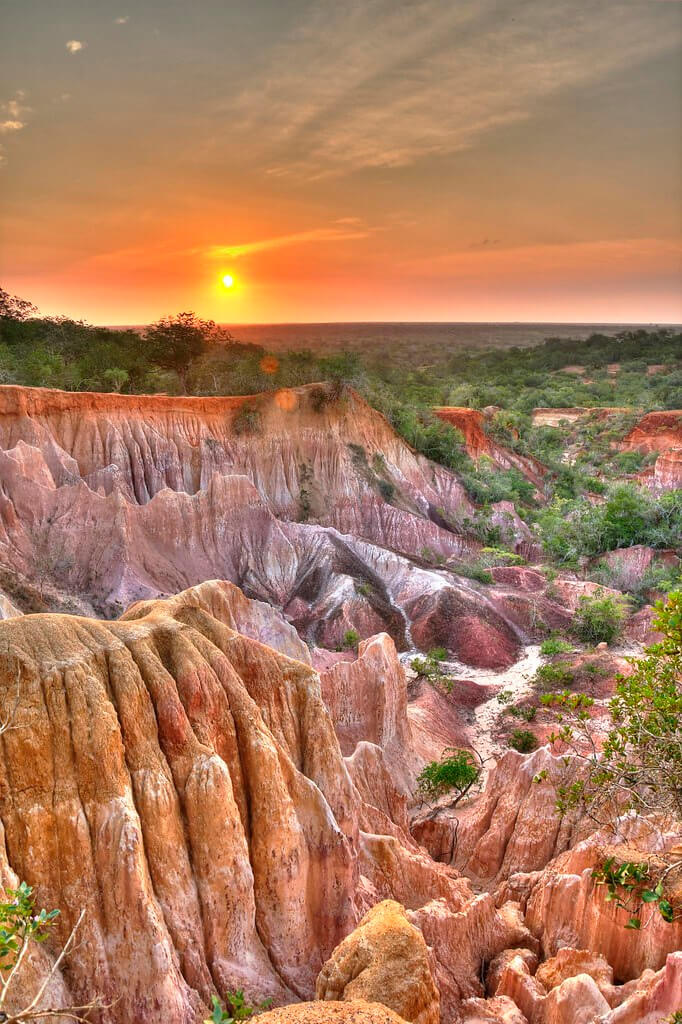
(557, 673)
(491, 556)
(523, 740)
(351, 639)
(628, 462)
(476, 572)
(430, 668)
(638, 766)
(600, 618)
(456, 772)
(525, 711)
(555, 645)
(236, 1008)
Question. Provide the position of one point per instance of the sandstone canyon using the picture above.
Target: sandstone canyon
(197, 761)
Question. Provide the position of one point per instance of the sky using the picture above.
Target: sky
(429, 160)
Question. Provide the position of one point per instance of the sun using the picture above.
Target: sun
(228, 280)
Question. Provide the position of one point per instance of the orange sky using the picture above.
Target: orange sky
(364, 161)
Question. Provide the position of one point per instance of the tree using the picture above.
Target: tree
(639, 766)
(115, 377)
(600, 617)
(14, 308)
(456, 772)
(174, 341)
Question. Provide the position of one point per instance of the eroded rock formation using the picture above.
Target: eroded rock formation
(182, 783)
(112, 498)
(384, 959)
(659, 432)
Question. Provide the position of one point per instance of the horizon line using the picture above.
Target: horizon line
(420, 323)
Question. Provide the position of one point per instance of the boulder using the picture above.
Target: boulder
(384, 960)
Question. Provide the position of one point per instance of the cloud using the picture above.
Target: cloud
(74, 45)
(123, 20)
(282, 241)
(14, 111)
(377, 83)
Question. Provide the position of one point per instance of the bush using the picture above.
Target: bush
(523, 740)
(476, 572)
(525, 711)
(236, 1008)
(600, 618)
(430, 668)
(456, 772)
(637, 767)
(351, 639)
(555, 645)
(558, 674)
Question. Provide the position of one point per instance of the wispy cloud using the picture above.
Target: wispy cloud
(331, 234)
(74, 45)
(13, 114)
(122, 20)
(381, 83)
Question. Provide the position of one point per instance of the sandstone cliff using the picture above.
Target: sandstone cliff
(182, 783)
(659, 432)
(312, 507)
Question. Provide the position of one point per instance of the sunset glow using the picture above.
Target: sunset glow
(520, 165)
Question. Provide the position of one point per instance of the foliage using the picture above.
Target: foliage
(523, 740)
(659, 578)
(527, 712)
(599, 618)
(639, 767)
(19, 923)
(571, 529)
(429, 667)
(555, 645)
(174, 341)
(476, 572)
(236, 1008)
(14, 308)
(456, 772)
(627, 886)
(351, 639)
(557, 673)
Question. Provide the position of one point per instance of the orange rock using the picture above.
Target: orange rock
(570, 962)
(384, 960)
(357, 1011)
